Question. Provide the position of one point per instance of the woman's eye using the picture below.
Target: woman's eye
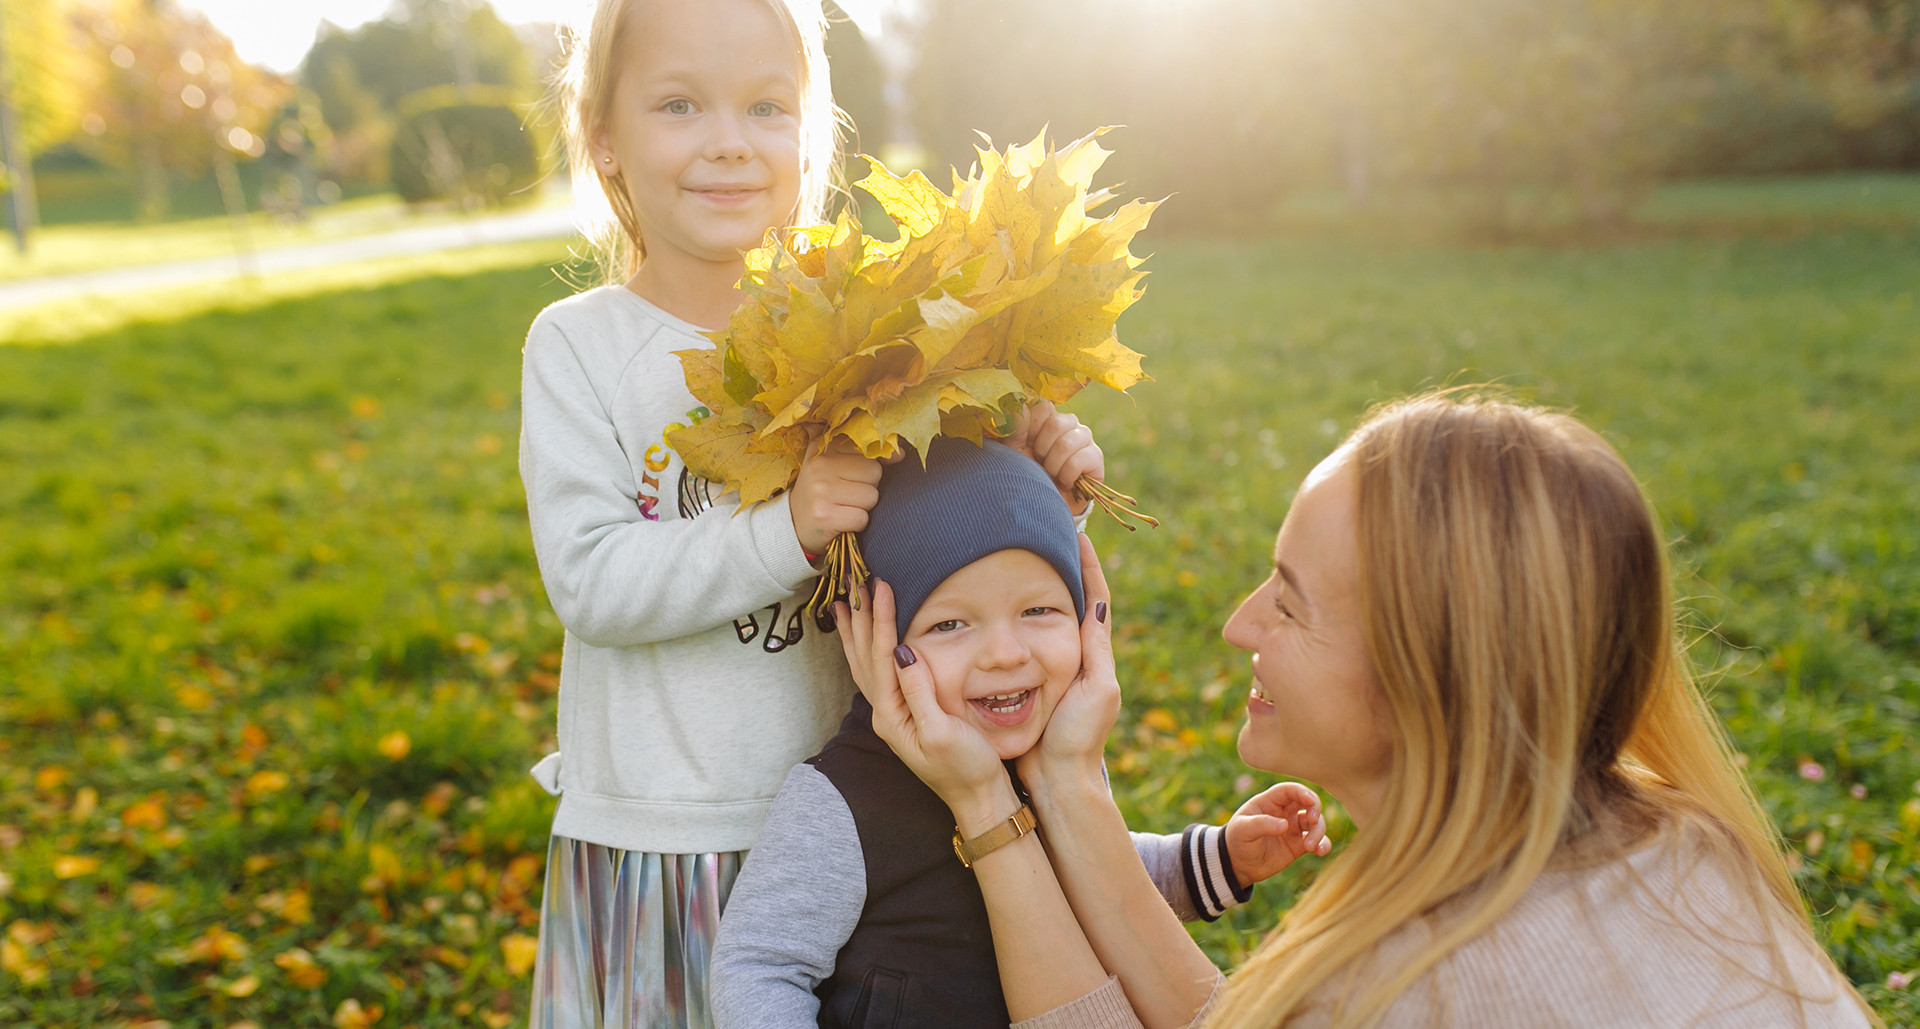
(947, 626)
(679, 107)
(764, 109)
(1032, 611)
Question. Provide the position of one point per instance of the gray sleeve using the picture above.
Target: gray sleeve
(1192, 870)
(615, 576)
(794, 906)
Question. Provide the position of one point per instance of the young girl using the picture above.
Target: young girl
(690, 683)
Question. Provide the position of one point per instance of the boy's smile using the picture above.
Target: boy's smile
(1003, 643)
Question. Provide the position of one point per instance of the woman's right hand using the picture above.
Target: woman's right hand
(950, 756)
(1075, 741)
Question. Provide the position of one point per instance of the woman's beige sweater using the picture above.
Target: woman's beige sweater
(1663, 936)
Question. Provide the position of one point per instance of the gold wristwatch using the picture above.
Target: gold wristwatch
(969, 851)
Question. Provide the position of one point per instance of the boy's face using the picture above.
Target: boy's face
(1003, 644)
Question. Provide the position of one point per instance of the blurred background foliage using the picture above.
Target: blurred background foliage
(1517, 113)
(1529, 110)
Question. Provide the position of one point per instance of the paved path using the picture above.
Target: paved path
(544, 223)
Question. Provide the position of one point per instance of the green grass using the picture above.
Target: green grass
(254, 542)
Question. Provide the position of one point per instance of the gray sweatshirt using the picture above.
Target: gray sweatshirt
(689, 682)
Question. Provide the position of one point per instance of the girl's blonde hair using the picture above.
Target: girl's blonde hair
(1519, 617)
(583, 92)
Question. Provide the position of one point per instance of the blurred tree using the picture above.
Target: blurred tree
(46, 70)
(1528, 109)
(363, 76)
(858, 81)
(169, 97)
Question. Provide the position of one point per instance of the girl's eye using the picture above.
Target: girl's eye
(947, 626)
(764, 109)
(1032, 611)
(679, 107)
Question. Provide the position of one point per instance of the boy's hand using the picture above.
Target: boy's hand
(1063, 446)
(832, 494)
(1273, 828)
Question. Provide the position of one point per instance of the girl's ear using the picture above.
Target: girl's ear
(601, 150)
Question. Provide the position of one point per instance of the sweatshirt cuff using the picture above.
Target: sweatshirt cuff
(779, 548)
(1212, 885)
(1105, 1007)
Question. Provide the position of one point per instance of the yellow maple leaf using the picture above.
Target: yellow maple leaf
(887, 345)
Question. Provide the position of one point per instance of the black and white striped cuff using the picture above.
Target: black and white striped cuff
(1211, 884)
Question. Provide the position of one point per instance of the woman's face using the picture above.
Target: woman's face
(1315, 710)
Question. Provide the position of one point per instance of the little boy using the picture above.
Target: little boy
(852, 909)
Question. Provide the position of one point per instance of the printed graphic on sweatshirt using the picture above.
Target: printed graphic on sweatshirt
(656, 459)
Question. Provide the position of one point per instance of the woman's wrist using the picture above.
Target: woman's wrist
(980, 810)
(1059, 795)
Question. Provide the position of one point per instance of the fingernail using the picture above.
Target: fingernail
(903, 655)
(1100, 612)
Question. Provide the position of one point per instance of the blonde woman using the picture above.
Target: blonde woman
(1468, 638)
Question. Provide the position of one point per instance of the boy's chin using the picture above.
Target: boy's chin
(1011, 743)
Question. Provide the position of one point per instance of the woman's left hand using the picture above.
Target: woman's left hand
(1075, 739)
(950, 756)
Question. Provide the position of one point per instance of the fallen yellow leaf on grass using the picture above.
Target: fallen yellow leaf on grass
(300, 969)
(49, 778)
(243, 986)
(261, 784)
(145, 814)
(70, 866)
(395, 745)
(1160, 718)
(85, 802)
(218, 944)
(350, 1015)
(519, 950)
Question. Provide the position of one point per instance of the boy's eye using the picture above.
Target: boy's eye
(679, 107)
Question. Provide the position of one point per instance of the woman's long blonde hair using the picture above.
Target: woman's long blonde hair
(582, 94)
(1520, 619)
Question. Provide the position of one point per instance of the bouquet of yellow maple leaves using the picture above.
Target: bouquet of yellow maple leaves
(1001, 294)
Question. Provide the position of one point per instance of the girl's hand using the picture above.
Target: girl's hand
(949, 755)
(832, 494)
(1063, 446)
(1075, 739)
(1273, 828)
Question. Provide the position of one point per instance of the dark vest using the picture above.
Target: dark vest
(922, 953)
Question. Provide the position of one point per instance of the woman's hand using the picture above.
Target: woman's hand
(949, 755)
(1075, 739)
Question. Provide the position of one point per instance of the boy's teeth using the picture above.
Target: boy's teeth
(1003, 701)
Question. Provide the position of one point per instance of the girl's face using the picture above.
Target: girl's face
(705, 128)
(1316, 710)
(1003, 644)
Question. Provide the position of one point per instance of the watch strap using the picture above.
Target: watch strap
(969, 851)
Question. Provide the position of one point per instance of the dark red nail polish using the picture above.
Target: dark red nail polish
(903, 655)
(1100, 612)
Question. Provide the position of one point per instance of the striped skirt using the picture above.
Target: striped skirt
(626, 937)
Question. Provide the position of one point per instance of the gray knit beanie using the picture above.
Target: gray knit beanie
(967, 502)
